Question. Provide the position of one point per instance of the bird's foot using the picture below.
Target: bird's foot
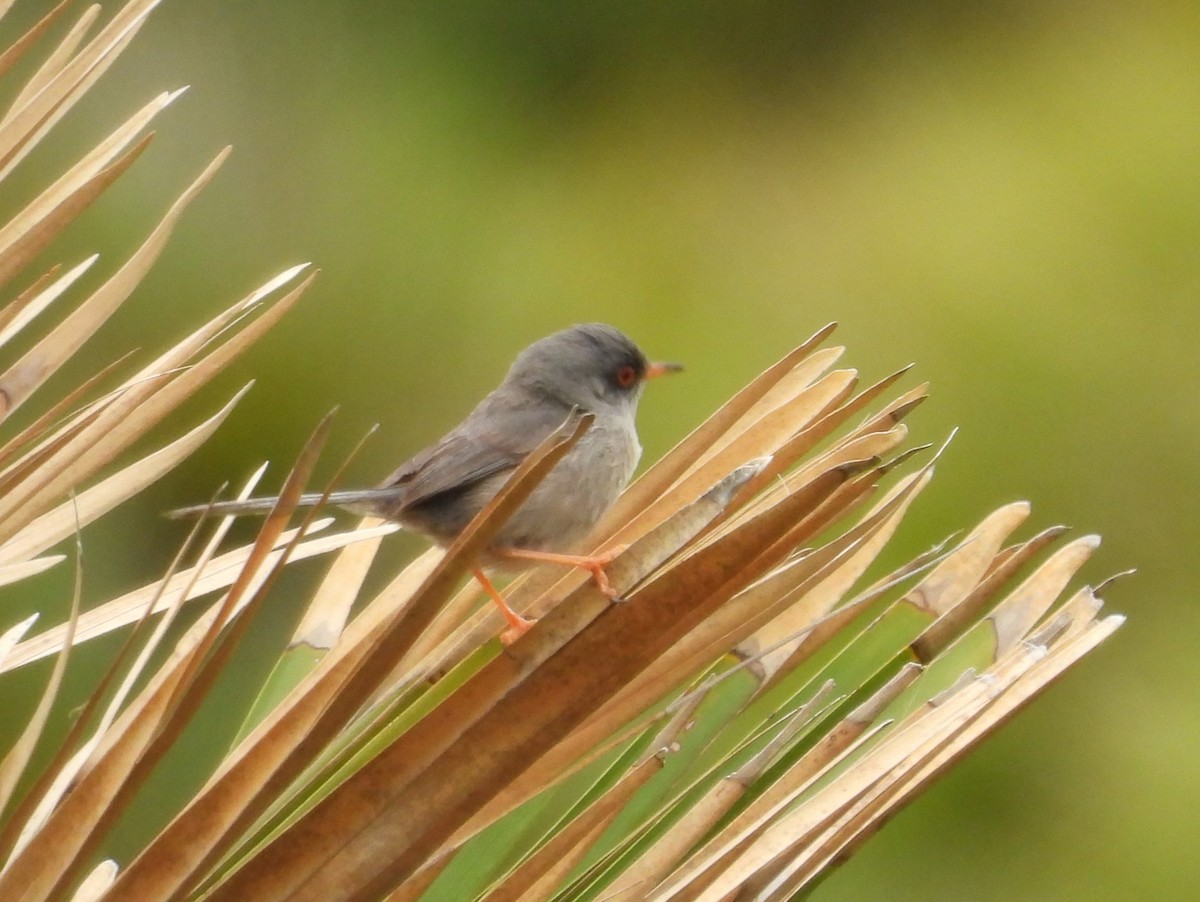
(595, 564)
(518, 626)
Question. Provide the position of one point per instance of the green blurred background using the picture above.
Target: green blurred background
(1007, 193)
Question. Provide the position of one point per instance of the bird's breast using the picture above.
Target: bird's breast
(567, 504)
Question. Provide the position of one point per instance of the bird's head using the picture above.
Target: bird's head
(592, 366)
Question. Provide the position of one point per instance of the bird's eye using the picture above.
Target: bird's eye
(626, 376)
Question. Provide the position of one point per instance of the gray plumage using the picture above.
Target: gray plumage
(591, 368)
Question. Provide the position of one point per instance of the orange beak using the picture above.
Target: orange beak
(654, 370)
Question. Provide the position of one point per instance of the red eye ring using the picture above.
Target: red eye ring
(626, 376)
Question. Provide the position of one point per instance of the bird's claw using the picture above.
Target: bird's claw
(516, 629)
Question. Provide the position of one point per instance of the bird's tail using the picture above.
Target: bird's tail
(366, 502)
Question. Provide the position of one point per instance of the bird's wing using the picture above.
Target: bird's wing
(495, 438)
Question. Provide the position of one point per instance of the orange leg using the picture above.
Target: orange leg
(593, 563)
(517, 625)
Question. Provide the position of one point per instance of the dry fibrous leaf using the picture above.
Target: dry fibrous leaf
(764, 694)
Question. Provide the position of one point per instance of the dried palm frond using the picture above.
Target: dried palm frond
(760, 702)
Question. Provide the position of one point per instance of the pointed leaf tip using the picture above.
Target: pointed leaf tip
(1104, 584)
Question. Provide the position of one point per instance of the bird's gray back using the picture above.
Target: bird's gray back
(449, 482)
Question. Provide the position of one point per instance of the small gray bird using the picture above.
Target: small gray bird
(590, 368)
